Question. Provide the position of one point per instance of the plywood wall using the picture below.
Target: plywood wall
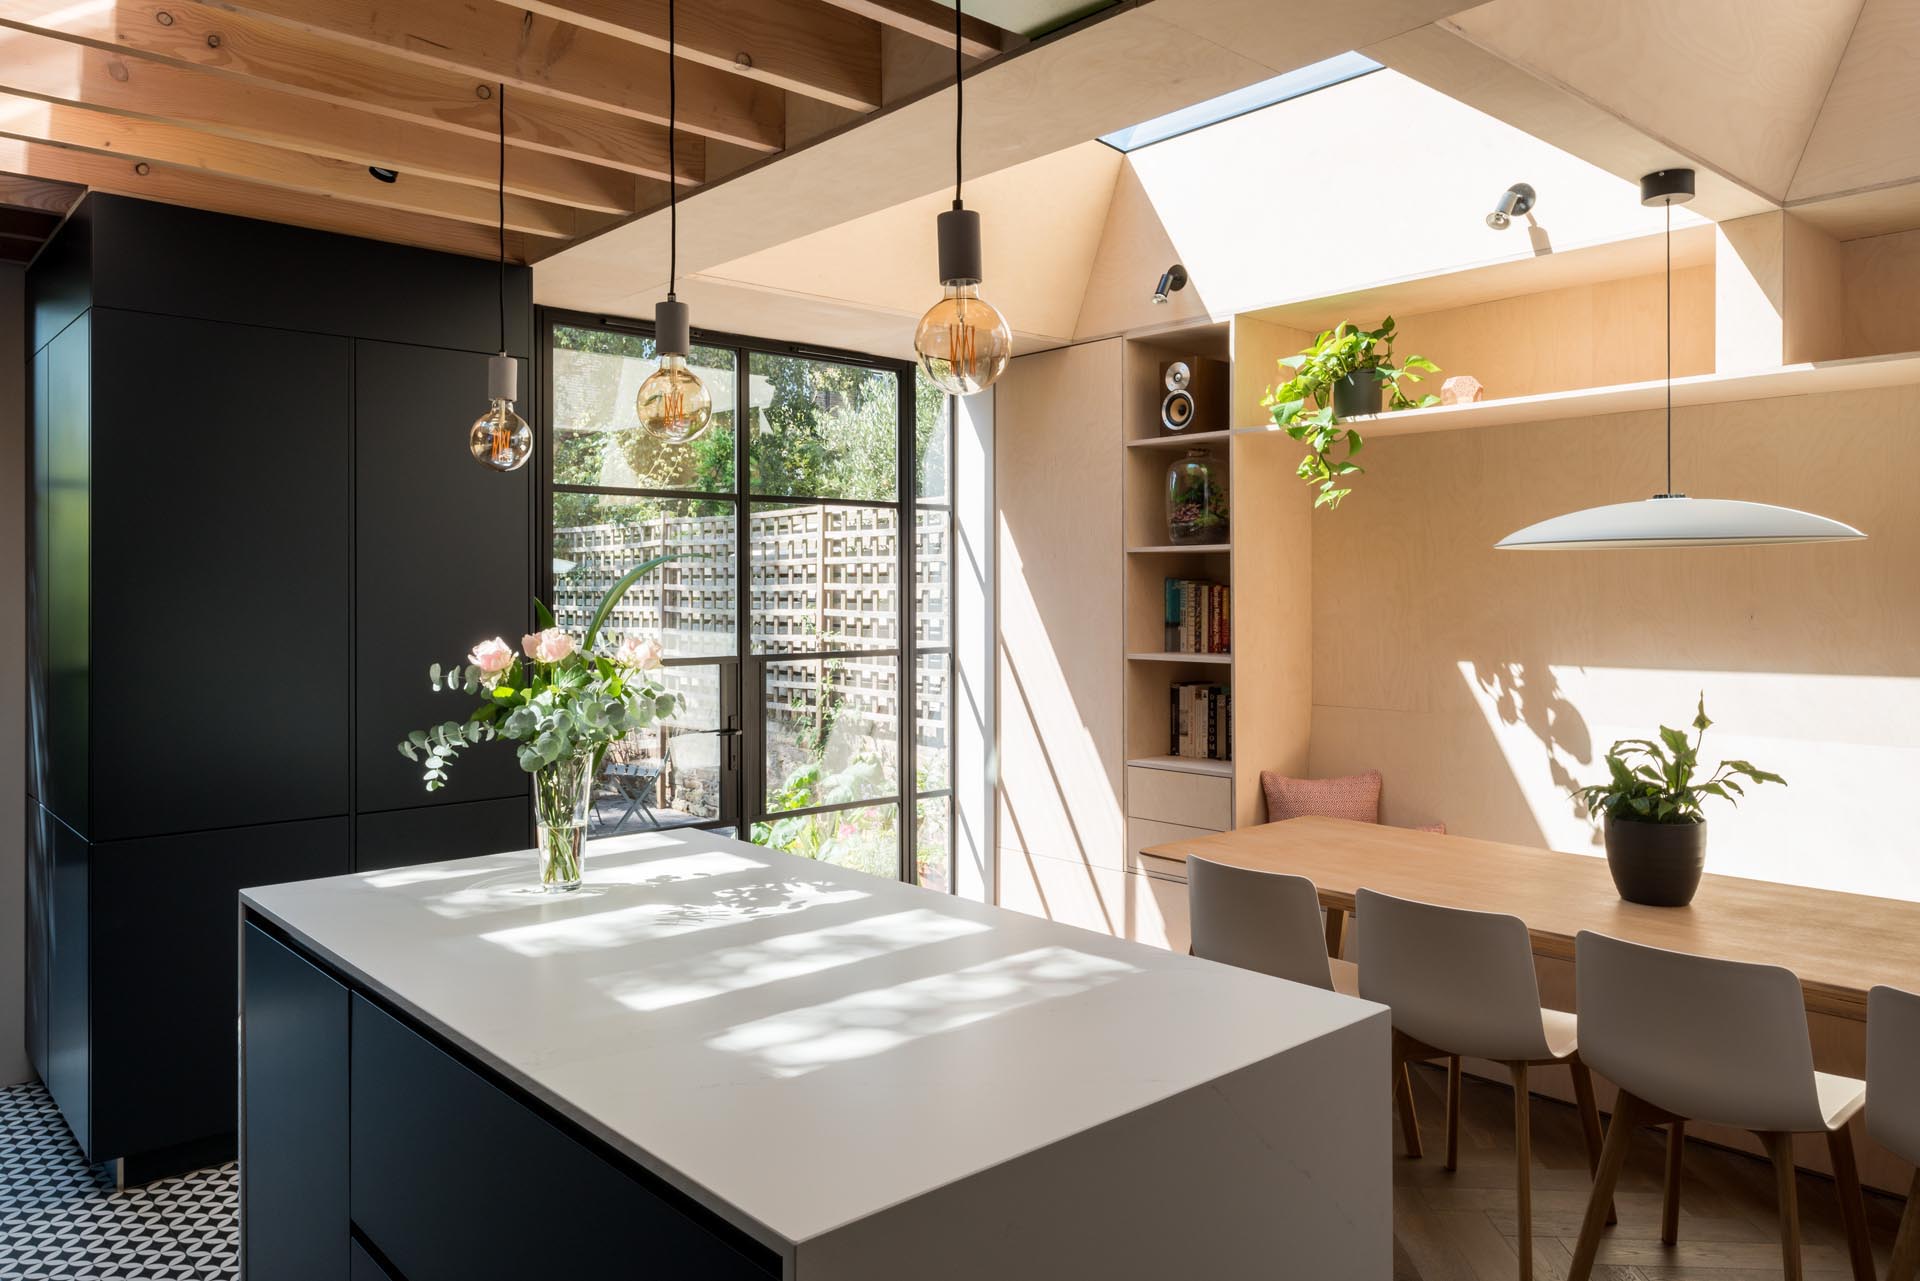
(1485, 684)
(1882, 277)
(1057, 477)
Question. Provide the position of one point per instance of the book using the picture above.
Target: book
(1197, 617)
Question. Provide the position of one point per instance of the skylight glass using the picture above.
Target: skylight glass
(1293, 84)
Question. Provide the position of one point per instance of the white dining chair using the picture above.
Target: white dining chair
(1460, 984)
(1893, 1110)
(1265, 921)
(1696, 1038)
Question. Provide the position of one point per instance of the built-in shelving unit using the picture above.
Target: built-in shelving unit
(1181, 549)
(1168, 656)
(1182, 440)
(1184, 765)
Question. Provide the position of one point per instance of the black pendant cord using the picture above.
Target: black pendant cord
(1669, 346)
(959, 103)
(673, 167)
(502, 91)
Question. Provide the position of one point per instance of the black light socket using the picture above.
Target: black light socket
(1667, 187)
(958, 231)
(672, 328)
(384, 175)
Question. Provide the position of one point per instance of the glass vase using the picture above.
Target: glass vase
(1196, 500)
(562, 791)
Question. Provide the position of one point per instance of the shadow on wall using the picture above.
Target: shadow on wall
(1529, 695)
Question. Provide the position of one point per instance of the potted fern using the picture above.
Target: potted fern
(1345, 374)
(1656, 831)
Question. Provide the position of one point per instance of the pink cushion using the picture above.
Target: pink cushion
(1355, 797)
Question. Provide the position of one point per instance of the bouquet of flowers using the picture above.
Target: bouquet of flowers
(564, 702)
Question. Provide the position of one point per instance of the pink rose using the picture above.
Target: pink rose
(491, 656)
(549, 646)
(641, 652)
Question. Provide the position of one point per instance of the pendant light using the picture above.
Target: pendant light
(500, 438)
(673, 403)
(1669, 519)
(963, 342)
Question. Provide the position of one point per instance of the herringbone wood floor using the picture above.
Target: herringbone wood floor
(1460, 1226)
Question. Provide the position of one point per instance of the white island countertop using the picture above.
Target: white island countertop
(798, 1046)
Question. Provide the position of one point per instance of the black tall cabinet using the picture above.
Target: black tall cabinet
(254, 525)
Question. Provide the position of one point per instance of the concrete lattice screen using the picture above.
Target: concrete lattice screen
(822, 577)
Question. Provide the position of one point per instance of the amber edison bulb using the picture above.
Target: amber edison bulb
(963, 341)
(500, 438)
(673, 403)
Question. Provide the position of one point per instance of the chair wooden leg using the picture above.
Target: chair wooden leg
(1409, 1119)
(1670, 1193)
(1523, 1166)
(1853, 1206)
(1336, 931)
(1780, 1149)
(1589, 1121)
(1627, 1111)
(1453, 1112)
(1906, 1246)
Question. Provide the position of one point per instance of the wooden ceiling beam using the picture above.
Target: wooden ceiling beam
(38, 193)
(929, 20)
(159, 142)
(55, 69)
(251, 200)
(27, 224)
(803, 46)
(234, 44)
(533, 52)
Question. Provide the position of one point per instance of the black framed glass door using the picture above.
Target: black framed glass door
(805, 616)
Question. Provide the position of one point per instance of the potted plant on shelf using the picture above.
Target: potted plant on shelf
(1655, 831)
(1345, 374)
(565, 703)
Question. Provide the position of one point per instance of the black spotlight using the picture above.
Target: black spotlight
(1172, 281)
(384, 175)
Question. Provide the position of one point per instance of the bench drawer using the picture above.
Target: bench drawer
(1174, 796)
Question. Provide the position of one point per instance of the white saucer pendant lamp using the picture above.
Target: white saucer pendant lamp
(963, 341)
(1669, 519)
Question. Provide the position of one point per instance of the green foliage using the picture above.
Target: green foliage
(1343, 351)
(1653, 782)
(582, 702)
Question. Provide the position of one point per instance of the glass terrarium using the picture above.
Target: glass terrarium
(1196, 500)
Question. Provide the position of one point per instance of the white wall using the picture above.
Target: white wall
(13, 677)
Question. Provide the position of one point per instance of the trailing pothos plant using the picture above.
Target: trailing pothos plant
(557, 698)
(1344, 351)
(1653, 782)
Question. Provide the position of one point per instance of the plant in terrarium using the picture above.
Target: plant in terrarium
(1196, 501)
(565, 702)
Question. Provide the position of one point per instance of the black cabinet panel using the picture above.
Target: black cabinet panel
(222, 518)
(166, 973)
(40, 424)
(398, 838)
(365, 1267)
(69, 1074)
(442, 562)
(294, 1166)
(186, 262)
(451, 1175)
(39, 933)
(60, 286)
(69, 561)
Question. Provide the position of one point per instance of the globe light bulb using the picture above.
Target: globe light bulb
(963, 341)
(500, 438)
(673, 403)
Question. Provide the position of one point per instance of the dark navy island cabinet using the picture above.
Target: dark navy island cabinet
(242, 436)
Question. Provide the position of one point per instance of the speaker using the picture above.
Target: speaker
(1195, 395)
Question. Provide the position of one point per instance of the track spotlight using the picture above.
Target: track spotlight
(1172, 281)
(1514, 202)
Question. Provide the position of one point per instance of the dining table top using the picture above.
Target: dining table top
(1840, 945)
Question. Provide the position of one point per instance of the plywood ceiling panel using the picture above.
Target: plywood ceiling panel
(1868, 133)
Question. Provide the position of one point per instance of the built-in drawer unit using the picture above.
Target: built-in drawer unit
(1176, 796)
(1145, 833)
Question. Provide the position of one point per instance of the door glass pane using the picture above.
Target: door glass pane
(931, 859)
(932, 579)
(933, 441)
(688, 604)
(832, 731)
(866, 840)
(596, 429)
(667, 775)
(932, 733)
(822, 430)
(824, 577)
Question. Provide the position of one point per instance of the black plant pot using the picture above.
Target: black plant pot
(1356, 394)
(1658, 864)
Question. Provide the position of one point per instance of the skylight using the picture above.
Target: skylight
(1293, 84)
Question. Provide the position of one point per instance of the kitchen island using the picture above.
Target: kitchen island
(720, 1061)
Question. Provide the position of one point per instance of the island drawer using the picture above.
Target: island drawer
(1176, 796)
(453, 1178)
